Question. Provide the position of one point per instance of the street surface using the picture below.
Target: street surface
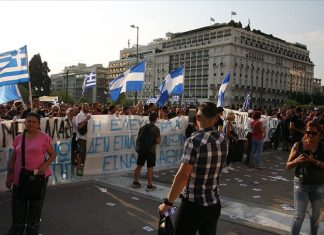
(81, 208)
(253, 202)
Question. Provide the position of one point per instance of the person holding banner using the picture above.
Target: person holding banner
(82, 124)
(36, 108)
(71, 115)
(26, 213)
(233, 149)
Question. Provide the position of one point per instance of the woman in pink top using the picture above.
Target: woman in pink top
(37, 145)
(257, 141)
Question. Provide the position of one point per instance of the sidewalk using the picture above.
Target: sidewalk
(93, 208)
(264, 219)
(249, 197)
(263, 198)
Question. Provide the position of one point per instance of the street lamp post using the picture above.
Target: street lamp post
(67, 80)
(137, 29)
(304, 89)
(252, 84)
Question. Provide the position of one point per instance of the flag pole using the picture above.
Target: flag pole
(29, 83)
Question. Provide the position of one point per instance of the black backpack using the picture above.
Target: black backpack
(145, 141)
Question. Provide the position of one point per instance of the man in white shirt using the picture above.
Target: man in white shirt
(82, 122)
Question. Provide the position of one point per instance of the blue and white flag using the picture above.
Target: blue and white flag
(175, 98)
(9, 93)
(130, 80)
(14, 67)
(89, 81)
(151, 100)
(222, 89)
(172, 84)
(247, 103)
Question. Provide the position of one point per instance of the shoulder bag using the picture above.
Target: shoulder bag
(31, 186)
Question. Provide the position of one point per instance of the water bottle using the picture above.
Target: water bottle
(171, 211)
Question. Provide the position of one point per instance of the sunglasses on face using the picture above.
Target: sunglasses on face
(313, 133)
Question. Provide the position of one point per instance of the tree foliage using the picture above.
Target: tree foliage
(83, 99)
(40, 81)
(24, 92)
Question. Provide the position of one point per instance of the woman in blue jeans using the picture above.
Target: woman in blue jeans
(257, 141)
(308, 153)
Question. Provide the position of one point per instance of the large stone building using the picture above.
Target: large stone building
(71, 79)
(268, 67)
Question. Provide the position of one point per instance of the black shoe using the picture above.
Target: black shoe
(150, 188)
(136, 184)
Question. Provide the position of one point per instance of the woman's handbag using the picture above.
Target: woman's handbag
(31, 186)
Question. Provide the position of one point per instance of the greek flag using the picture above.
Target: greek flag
(14, 67)
(151, 100)
(247, 103)
(9, 93)
(172, 84)
(89, 81)
(175, 98)
(222, 89)
(130, 80)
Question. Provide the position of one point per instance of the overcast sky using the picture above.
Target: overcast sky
(93, 32)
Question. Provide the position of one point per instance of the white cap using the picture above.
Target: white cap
(250, 111)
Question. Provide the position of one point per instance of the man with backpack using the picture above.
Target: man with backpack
(147, 139)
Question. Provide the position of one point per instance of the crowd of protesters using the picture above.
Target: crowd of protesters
(294, 124)
(291, 121)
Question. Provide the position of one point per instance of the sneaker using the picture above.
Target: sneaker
(150, 188)
(260, 167)
(136, 184)
(229, 168)
(224, 170)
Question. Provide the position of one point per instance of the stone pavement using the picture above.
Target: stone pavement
(260, 199)
(95, 208)
(263, 197)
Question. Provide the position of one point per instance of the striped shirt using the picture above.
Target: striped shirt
(206, 150)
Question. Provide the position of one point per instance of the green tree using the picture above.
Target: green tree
(123, 100)
(24, 92)
(83, 99)
(40, 81)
